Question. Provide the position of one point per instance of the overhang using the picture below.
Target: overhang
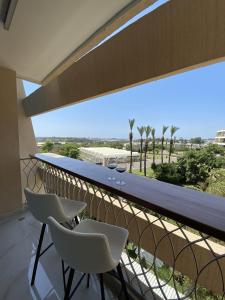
(176, 37)
(46, 36)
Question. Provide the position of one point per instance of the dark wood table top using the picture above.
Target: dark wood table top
(199, 210)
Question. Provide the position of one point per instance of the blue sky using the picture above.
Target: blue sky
(194, 101)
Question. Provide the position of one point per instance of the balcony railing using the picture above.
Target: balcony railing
(176, 247)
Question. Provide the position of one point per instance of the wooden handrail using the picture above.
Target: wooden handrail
(199, 210)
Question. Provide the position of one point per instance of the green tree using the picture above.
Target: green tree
(131, 124)
(196, 165)
(196, 140)
(70, 150)
(141, 131)
(117, 145)
(164, 129)
(153, 147)
(147, 132)
(47, 146)
(173, 129)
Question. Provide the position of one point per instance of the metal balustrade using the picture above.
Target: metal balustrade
(165, 257)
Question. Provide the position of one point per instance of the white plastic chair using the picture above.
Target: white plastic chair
(91, 247)
(44, 205)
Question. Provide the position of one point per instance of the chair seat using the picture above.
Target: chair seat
(116, 236)
(72, 208)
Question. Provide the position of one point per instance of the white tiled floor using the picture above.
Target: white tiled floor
(18, 241)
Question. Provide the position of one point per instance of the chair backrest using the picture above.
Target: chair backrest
(44, 205)
(84, 252)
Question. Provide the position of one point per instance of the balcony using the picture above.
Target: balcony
(176, 243)
(176, 235)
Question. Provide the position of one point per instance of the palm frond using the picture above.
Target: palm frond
(173, 129)
(164, 129)
(131, 123)
(141, 130)
(147, 131)
(153, 133)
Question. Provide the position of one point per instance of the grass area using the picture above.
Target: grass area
(150, 173)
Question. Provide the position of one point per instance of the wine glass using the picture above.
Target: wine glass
(121, 168)
(111, 164)
(98, 161)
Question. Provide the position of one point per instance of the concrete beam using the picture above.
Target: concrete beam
(178, 36)
(131, 10)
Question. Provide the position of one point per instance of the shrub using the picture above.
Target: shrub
(153, 166)
(117, 145)
(191, 167)
(169, 172)
(47, 146)
(70, 150)
(196, 165)
(216, 182)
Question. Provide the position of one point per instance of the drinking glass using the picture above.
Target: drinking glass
(98, 161)
(121, 168)
(111, 164)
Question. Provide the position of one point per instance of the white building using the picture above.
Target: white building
(220, 137)
(105, 154)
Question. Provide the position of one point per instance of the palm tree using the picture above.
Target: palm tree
(174, 143)
(164, 129)
(173, 129)
(141, 132)
(131, 123)
(147, 132)
(153, 146)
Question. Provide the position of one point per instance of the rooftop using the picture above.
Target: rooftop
(107, 152)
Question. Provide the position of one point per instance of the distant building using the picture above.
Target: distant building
(220, 137)
(103, 155)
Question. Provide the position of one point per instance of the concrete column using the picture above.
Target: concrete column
(27, 143)
(10, 179)
(17, 141)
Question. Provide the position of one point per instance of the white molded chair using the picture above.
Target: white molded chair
(91, 247)
(44, 205)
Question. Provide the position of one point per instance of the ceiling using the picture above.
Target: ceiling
(43, 33)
